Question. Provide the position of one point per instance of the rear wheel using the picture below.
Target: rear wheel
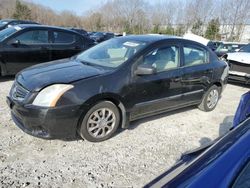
(210, 99)
(100, 122)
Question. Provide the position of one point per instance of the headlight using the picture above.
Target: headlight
(49, 96)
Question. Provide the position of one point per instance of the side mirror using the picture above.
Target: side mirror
(15, 42)
(145, 69)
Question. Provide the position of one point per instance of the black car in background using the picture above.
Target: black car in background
(80, 31)
(22, 46)
(228, 47)
(217, 43)
(114, 82)
(11, 22)
(101, 36)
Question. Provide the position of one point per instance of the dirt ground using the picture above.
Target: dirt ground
(130, 159)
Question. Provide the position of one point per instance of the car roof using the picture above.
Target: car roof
(150, 37)
(153, 38)
(24, 26)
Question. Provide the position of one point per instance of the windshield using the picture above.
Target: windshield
(228, 47)
(111, 53)
(7, 32)
(245, 48)
(97, 34)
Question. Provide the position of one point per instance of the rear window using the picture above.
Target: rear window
(194, 56)
(63, 38)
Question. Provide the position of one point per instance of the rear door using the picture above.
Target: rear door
(25, 49)
(65, 44)
(197, 72)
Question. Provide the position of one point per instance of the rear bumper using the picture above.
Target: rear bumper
(48, 123)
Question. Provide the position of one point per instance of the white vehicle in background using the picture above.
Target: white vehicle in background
(200, 39)
(239, 63)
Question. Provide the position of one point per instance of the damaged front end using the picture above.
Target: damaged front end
(239, 67)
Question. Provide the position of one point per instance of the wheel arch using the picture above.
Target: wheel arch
(218, 84)
(115, 99)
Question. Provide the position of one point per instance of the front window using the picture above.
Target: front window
(245, 48)
(163, 59)
(6, 33)
(34, 37)
(111, 53)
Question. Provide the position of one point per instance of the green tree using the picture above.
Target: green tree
(180, 30)
(169, 30)
(22, 11)
(213, 29)
(156, 28)
(197, 27)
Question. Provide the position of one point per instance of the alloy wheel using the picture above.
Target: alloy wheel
(101, 122)
(212, 98)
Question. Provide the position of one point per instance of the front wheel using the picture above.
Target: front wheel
(100, 122)
(210, 99)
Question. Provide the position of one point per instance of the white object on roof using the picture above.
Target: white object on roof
(196, 38)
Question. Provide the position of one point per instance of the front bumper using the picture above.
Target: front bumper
(239, 77)
(48, 123)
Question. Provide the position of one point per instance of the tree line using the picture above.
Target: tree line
(209, 18)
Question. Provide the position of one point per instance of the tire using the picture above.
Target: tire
(210, 99)
(96, 127)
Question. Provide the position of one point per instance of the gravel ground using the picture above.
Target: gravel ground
(130, 159)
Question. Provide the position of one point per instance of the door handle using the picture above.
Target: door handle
(77, 47)
(209, 71)
(177, 79)
(44, 48)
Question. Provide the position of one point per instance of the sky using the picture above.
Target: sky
(79, 7)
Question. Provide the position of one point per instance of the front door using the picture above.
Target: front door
(158, 92)
(27, 49)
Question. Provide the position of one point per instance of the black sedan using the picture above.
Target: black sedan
(112, 83)
(24, 45)
(101, 36)
(12, 22)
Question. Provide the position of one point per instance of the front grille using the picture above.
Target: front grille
(18, 92)
(239, 67)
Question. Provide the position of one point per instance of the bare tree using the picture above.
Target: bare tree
(140, 16)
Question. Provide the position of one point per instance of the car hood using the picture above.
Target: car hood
(61, 71)
(242, 57)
